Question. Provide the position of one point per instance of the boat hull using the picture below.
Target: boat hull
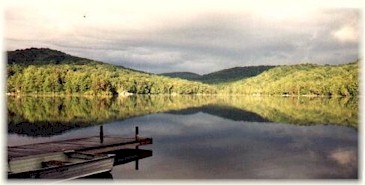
(69, 171)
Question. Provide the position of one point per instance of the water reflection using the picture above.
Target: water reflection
(46, 116)
(209, 147)
(122, 157)
(207, 137)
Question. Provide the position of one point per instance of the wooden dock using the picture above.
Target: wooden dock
(89, 145)
(75, 158)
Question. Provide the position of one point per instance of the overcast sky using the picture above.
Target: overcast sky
(195, 36)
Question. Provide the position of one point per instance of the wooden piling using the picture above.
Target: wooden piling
(101, 134)
(137, 132)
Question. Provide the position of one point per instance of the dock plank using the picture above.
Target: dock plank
(90, 143)
(14, 154)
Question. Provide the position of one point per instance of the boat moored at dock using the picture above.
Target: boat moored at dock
(60, 165)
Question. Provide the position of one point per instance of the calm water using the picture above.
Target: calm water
(206, 137)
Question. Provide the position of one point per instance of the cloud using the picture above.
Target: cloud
(344, 157)
(346, 34)
(184, 36)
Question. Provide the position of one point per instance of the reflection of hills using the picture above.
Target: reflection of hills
(303, 110)
(45, 116)
(224, 111)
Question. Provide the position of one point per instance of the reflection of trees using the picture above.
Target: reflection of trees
(91, 109)
(224, 111)
(301, 110)
(52, 115)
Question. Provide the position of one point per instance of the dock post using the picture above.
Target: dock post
(101, 134)
(137, 165)
(137, 162)
(137, 132)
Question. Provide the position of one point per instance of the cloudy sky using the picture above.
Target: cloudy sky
(196, 36)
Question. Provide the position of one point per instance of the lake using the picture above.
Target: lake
(206, 137)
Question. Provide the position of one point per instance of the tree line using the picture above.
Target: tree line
(45, 71)
(95, 79)
(303, 79)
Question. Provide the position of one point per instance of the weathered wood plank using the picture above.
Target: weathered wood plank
(90, 143)
(14, 154)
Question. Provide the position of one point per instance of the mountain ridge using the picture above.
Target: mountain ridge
(42, 56)
(47, 71)
(42, 71)
(222, 76)
(184, 75)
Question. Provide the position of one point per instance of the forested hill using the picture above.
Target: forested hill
(183, 75)
(233, 74)
(41, 56)
(222, 76)
(302, 79)
(45, 71)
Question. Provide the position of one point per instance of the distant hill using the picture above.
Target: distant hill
(223, 76)
(40, 56)
(47, 71)
(302, 79)
(233, 74)
(44, 56)
(183, 75)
